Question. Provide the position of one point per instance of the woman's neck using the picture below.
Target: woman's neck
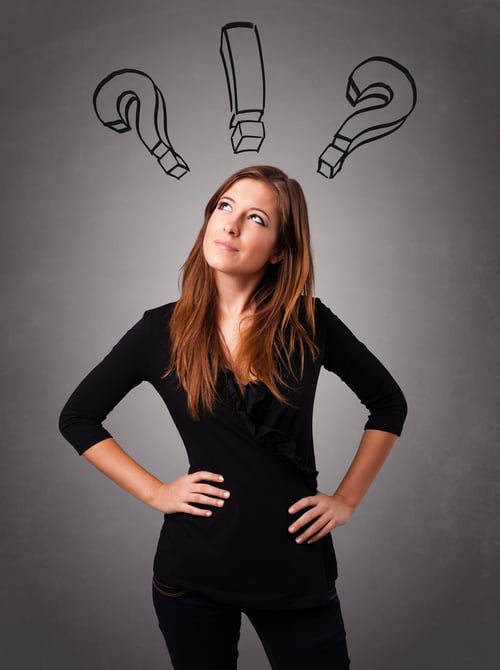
(234, 312)
(234, 296)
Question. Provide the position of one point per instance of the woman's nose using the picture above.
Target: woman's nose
(231, 226)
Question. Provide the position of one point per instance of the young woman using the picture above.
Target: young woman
(236, 361)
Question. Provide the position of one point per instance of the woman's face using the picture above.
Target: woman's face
(241, 236)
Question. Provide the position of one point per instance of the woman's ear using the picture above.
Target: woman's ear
(276, 258)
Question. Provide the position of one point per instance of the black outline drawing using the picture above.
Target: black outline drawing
(127, 98)
(392, 98)
(241, 54)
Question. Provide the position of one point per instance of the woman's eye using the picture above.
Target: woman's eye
(258, 219)
(223, 204)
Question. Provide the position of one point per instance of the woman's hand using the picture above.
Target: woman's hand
(178, 496)
(324, 513)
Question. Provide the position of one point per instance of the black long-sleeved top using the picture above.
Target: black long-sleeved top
(243, 554)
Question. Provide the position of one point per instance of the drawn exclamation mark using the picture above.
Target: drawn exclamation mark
(241, 53)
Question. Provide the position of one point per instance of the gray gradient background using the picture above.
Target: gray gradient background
(406, 243)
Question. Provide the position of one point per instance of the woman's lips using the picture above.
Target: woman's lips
(225, 246)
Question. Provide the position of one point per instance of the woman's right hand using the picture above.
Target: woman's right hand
(179, 495)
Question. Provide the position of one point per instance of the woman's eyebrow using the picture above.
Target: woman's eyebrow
(257, 209)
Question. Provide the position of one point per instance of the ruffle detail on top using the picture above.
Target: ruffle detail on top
(257, 406)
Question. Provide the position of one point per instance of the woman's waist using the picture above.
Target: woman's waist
(234, 552)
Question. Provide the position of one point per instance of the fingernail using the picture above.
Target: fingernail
(292, 529)
(298, 540)
(226, 494)
(221, 478)
(291, 510)
(208, 513)
(220, 503)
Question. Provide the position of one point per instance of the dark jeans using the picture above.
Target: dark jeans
(203, 634)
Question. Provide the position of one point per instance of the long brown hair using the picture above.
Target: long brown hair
(283, 316)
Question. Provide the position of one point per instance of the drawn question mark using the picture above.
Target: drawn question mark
(241, 54)
(391, 94)
(127, 98)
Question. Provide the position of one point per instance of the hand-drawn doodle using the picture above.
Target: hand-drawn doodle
(130, 97)
(391, 92)
(241, 54)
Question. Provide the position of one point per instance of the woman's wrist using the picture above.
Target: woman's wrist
(347, 500)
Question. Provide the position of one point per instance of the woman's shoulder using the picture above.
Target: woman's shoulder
(158, 318)
(160, 312)
(328, 321)
(320, 309)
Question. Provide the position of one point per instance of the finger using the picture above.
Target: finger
(322, 533)
(205, 500)
(301, 504)
(212, 491)
(303, 520)
(320, 527)
(196, 511)
(203, 475)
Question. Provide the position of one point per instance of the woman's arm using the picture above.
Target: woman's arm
(177, 496)
(367, 377)
(326, 512)
(81, 423)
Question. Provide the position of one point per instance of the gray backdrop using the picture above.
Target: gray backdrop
(406, 243)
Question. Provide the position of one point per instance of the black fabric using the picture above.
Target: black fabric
(293, 640)
(242, 554)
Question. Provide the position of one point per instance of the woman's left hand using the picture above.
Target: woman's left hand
(324, 513)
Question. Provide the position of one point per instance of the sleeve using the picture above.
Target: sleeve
(121, 370)
(365, 375)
